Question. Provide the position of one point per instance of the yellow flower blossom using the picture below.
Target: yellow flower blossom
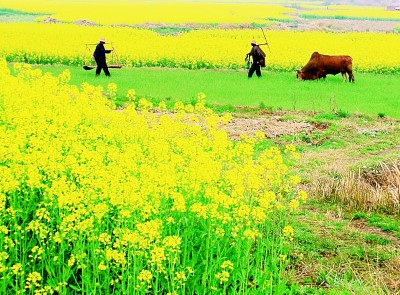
(227, 264)
(288, 232)
(180, 276)
(189, 270)
(157, 255)
(33, 279)
(219, 232)
(3, 256)
(294, 204)
(172, 242)
(17, 269)
(102, 266)
(4, 229)
(145, 275)
(131, 95)
(223, 276)
(3, 268)
(302, 195)
(105, 238)
(259, 135)
(251, 234)
(115, 256)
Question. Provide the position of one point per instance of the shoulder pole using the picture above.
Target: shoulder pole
(266, 42)
(116, 56)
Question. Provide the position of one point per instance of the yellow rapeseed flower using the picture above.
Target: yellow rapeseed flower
(17, 269)
(223, 276)
(288, 232)
(145, 275)
(3, 256)
(302, 195)
(102, 266)
(294, 204)
(227, 264)
(33, 279)
(172, 242)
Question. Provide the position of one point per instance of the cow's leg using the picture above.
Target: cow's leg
(351, 76)
(344, 76)
(349, 71)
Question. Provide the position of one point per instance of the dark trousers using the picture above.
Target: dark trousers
(255, 67)
(102, 65)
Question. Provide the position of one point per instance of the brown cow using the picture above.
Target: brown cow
(321, 65)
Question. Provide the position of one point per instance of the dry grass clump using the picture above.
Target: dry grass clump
(372, 189)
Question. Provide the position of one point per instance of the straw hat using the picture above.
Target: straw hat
(102, 40)
(253, 42)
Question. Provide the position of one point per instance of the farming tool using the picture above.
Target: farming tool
(114, 64)
(266, 42)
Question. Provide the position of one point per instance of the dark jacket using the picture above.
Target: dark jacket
(100, 53)
(258, 55)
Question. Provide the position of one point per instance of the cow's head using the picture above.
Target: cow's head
(299, 75)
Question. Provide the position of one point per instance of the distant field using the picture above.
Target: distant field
(137, 12)
(351, 12)
(197, 12)
(371, 94)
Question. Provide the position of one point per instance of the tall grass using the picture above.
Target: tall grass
(377, 188)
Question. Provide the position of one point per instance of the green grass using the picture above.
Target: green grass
(345, 17)
(5, 11)
(371, 94)
(10, 15)
(335, 256)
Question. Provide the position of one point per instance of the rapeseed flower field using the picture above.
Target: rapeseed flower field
(167, 12)
(65, 43)
(96, 200)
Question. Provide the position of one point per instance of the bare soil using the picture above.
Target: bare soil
(298, 24)
(272, 127)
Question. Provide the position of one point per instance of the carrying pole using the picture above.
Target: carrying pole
(116, 56)
(266, 42)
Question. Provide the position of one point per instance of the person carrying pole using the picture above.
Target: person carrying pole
(99, 55)
(258, 58)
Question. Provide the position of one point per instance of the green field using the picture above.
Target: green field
(371, 94)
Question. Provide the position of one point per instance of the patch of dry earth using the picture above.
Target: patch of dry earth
(272, 127)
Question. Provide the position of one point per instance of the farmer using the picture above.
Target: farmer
(100, 58)
(258, 57)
